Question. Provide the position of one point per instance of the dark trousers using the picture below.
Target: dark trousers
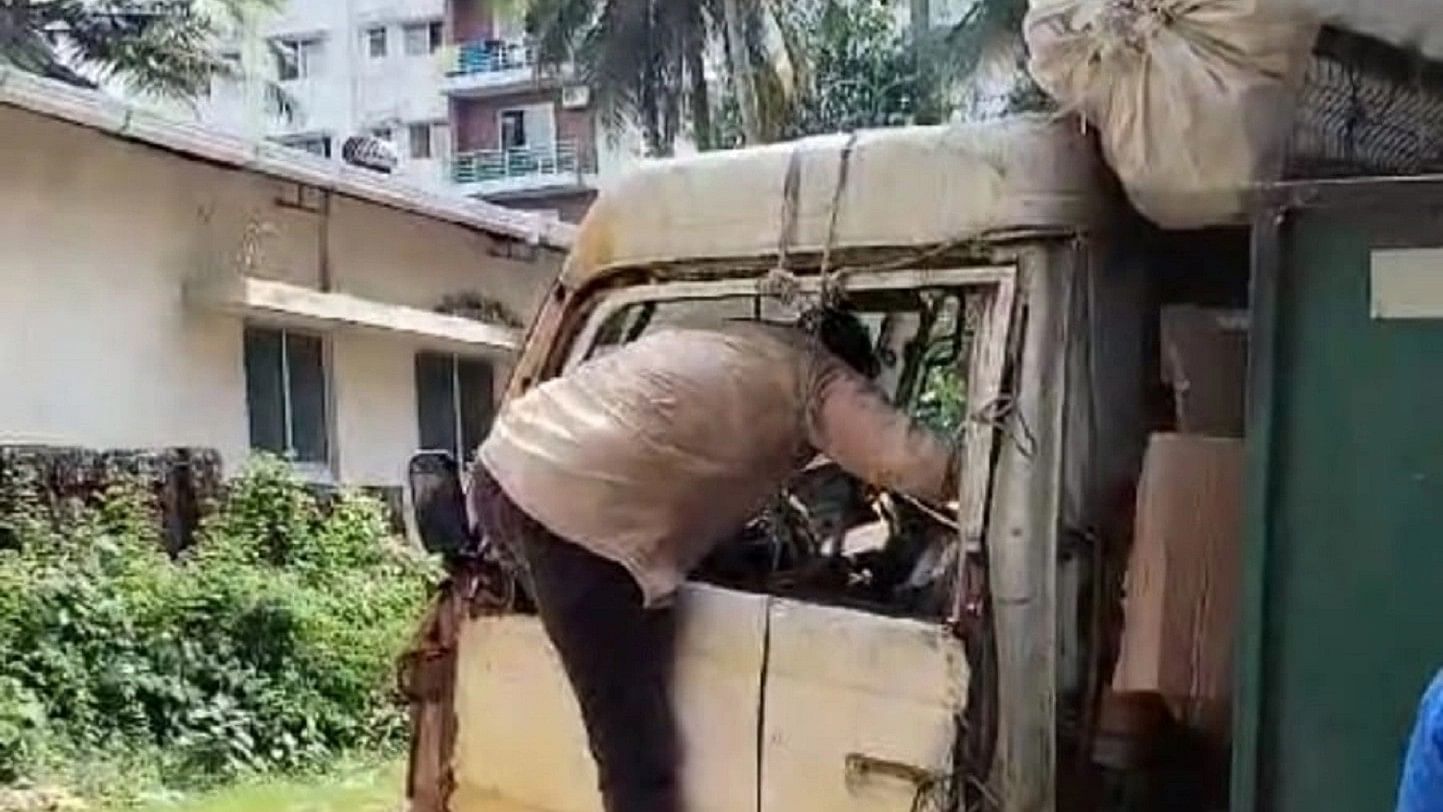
(617, 654)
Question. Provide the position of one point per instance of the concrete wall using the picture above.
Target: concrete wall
(472, 21)
(99, 349)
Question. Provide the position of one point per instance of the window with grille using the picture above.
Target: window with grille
(286, 394)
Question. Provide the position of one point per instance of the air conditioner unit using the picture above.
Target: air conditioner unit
(575, 97)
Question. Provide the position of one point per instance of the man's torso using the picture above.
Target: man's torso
(651, 454)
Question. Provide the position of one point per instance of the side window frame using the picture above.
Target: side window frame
(996, 286)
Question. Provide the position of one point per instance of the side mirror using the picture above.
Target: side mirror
(439, 505)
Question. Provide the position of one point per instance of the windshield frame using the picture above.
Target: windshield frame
(996, 283)
(985, 277)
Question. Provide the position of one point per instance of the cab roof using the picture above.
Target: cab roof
(904, 187)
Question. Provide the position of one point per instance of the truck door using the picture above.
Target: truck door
(821, 708)
(520, 745)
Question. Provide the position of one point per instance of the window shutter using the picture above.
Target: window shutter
(476, 399)
(305, 361)
(265, 403)
(435, 409)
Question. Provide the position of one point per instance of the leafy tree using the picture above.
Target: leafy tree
(163, 48)
(801, 66)
(854, 64)
(646, 60)
(854, 67)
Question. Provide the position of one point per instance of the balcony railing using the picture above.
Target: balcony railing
(491, 165)
(492, 57)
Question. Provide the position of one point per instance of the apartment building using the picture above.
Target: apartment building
(524, 135)
(351, 67)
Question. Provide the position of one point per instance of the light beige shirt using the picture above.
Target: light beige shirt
(652, 454)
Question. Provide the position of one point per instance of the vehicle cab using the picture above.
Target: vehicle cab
(848, 649)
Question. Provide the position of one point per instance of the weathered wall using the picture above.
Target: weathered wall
(375, 427)
(98, 348)
(391, 256)
(570, 207)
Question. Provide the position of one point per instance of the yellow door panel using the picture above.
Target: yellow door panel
(520, 745)
(860, 709)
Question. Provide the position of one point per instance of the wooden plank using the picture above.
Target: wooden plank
(1182, 581)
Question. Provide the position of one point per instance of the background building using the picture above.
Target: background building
(523, 136)
(239, 296)
(350, 67)
(451, 84)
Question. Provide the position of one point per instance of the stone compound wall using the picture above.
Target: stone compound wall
(184, 481)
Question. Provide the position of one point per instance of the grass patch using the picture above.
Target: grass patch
(354, 787)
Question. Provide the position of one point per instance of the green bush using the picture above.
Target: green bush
(267, 647)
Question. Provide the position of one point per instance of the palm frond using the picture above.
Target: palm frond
(164, 48)
(793, 41)
(24, 45)
(237, 13)
(645, 60)
(558, 27)
(611, 57)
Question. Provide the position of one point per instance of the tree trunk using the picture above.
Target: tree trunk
(657, 144)
(921, 18)
(741, 71)
(700, 100)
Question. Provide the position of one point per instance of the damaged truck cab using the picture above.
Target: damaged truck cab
(849, 650)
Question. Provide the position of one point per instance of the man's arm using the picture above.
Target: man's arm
(850, 421)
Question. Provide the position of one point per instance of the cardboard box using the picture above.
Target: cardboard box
(1205, 361)
(1183, 579)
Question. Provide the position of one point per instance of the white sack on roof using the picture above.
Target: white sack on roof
(1193, 99)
